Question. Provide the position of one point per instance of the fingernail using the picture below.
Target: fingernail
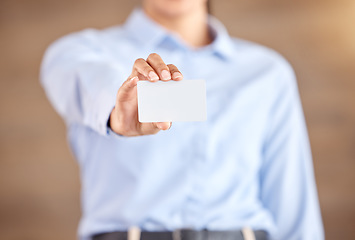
(153, 76)
(177, 76)
(159, 126)
(133, 81)
(165, 75)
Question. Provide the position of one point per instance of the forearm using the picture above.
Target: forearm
(81, 86)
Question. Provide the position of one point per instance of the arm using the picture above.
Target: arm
(81, 81)
(288, 187)
(83, 84)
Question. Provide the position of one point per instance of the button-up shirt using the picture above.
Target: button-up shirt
(249, 164)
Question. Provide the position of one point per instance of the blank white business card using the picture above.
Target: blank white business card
(172, 101)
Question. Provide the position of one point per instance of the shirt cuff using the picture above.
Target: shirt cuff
(104, 104)
(110, 132)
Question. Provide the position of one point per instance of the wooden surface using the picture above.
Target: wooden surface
(39, 179)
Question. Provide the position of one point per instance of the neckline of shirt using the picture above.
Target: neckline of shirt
(151, 34)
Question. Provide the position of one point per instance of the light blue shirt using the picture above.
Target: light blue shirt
(249, 164)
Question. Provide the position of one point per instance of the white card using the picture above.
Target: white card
(172, 101)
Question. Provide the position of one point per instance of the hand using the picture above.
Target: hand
(124, 117)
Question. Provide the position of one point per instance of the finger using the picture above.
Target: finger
(127, 90)
(175, 73)
(153, 127)
(141, 67)
(157, 63)
(163, 125)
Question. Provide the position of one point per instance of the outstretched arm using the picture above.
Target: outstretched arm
(85, 86)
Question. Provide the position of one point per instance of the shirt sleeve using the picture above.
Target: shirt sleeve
(288, 186)
(81, 80)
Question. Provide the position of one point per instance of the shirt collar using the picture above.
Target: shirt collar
(151, 34)
(222, 43)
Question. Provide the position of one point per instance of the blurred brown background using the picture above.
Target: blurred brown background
(39, 179)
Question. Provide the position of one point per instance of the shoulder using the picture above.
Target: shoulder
(94, 40)
(261, 54)
(264, 60)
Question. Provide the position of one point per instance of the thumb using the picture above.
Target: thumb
(126, 91)
(163, 125)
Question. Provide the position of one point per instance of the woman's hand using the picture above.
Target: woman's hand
(124, 117)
